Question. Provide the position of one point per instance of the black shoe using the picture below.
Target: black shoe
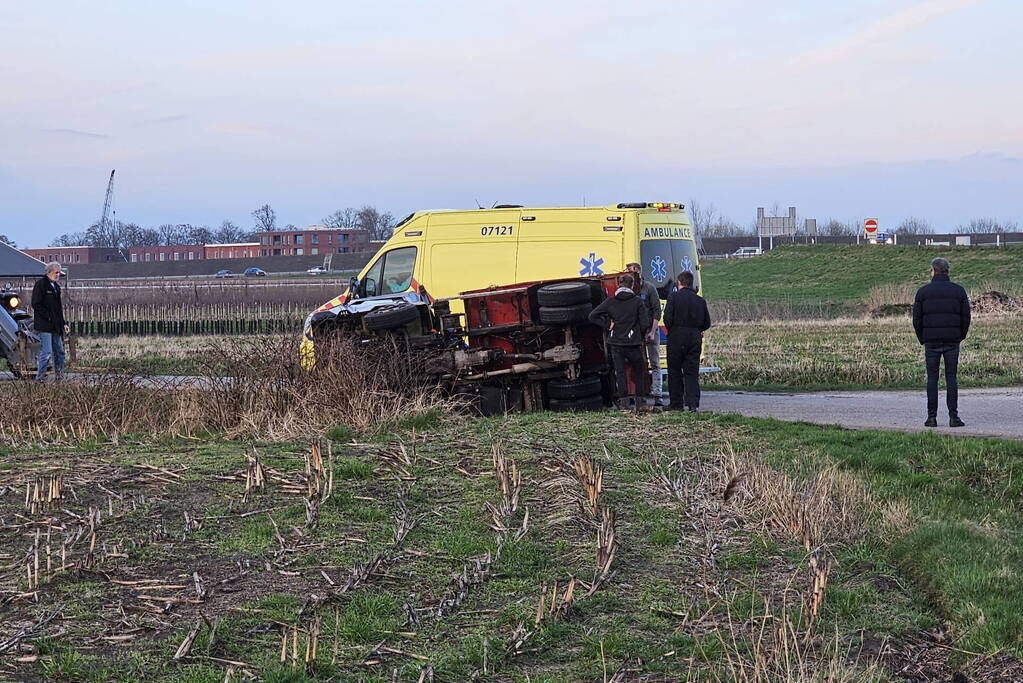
(931, 422)
(675, 407)
(693, 410)
(955, 422)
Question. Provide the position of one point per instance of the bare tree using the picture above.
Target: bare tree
(342, 219)
(701, 216)
(199, 234)
(836, 228)
(379, 225)
(266, 219)
(913, 226)
(986, 226)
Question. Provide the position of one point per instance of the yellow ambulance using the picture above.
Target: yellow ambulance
(443, 253)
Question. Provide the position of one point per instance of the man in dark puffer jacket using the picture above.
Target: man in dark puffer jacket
(628, 321)
(941, 319)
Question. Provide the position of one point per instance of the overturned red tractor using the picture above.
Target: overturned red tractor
(527, 346)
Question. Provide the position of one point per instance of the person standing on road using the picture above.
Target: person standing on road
(647, 293)
(49, 321)
(628, 322)
(941, 320)
(687, 318)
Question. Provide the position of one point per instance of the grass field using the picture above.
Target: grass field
(854, 353)
(823, 275)
(417, 551)
(784, 355)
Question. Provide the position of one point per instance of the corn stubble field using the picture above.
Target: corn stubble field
(435, 546)
(349, 524)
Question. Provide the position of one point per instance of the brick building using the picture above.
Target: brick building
(316, 239)
(233, 250)
(76, 255)
(177, 252)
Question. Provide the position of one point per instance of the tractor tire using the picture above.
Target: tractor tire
(569, 389)
(563, 294)
(565, 315)
(391, 318)
(579, 405)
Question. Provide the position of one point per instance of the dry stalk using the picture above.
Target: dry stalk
(319, 482)
(820, 568)
(509, 479)
(591, 477)
(45, 493)
(255, 475)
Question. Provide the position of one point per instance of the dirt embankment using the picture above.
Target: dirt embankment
(993, 302)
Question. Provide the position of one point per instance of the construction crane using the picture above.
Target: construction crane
(106, 223)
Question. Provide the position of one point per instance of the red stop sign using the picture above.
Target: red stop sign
(870, 225)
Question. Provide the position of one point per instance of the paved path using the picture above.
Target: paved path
(986, 412)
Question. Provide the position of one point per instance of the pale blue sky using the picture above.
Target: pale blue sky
(206, 110)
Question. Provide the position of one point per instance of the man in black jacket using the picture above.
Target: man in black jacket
(628, 320)
(49, 321)
(687, 318)
(941, 319)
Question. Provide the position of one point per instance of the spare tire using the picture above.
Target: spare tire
(579, 405)
(574, 388)
(391, 317)
(565, 315)
(563, 294)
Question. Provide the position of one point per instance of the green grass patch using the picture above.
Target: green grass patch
(965, 546)
(845, 274)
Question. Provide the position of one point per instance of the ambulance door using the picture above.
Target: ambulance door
(471, 250)
(569, 243)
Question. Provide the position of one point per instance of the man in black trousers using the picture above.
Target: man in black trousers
(941, 320)
(627, 320)
(686, 317)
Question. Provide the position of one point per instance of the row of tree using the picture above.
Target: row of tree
(709, 222)
(123, 235)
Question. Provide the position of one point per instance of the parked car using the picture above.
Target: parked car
(223, 273)
(317, 270)
(745, 252)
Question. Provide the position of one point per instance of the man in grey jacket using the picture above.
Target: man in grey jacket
(647, 293)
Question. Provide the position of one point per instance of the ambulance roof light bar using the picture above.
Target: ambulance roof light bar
(660, 206)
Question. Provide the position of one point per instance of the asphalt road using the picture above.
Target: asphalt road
(986, 412)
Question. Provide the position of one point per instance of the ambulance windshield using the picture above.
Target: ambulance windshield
(663, 260)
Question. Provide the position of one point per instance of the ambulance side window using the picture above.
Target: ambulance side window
(369, 284)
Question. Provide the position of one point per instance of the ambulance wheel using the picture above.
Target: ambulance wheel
(391, 318)
(579, 405)
(574, 388)
(565, 315)
(563, 294)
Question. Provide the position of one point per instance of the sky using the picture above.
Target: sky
(843, 109)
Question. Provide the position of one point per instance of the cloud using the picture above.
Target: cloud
(79, 133)
(886, 29)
